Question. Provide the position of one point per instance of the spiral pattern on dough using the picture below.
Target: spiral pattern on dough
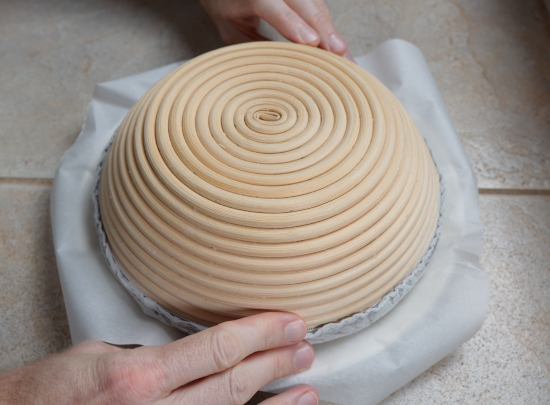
(268, 176)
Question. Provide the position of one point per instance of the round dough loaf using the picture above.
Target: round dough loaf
(268, 176)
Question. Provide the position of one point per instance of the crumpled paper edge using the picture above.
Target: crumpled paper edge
(322, 334)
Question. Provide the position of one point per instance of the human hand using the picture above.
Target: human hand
(302, 21)
(225, 364)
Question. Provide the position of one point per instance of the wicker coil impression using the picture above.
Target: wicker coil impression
(268, 176)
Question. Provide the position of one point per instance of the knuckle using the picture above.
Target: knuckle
(113, 378)
(239, 388)
(287, 18)
(225, 349)
(271, 340)
(116, 377)
(266, 331)
(321, 5)
(279, 366)
(124, 379)
(319, 18)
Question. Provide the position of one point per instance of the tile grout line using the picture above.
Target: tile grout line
(512, 191)
(26, 181)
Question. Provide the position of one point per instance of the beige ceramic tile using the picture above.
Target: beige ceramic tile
(491, 61)
(33, 322)
(54, 52)
(508, 361)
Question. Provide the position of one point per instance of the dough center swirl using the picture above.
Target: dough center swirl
(268, 176)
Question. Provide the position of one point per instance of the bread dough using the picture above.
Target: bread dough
(268, 176)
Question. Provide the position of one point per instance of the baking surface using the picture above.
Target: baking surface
(491, 61)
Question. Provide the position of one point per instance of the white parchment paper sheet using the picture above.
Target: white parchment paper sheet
(445, 308)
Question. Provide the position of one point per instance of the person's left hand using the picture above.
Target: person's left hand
(305, 22)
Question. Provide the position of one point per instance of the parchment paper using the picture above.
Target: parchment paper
(444, 309)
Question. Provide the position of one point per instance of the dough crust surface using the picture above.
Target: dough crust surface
(268, 176)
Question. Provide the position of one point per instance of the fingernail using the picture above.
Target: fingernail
(304, 357)
(309, 398)
(348, 56)
(336, 44)
(308, 35)
(295, 331)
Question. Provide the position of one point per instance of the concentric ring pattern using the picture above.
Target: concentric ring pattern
(268, 176)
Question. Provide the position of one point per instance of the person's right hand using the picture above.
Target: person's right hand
(223, 365)
(305, 22)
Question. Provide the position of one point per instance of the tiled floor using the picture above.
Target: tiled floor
(491, 60)
(32, 315)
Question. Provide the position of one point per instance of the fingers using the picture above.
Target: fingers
(305, 22)
(221, 347)
(239, 383)
(301, 21)
(232, 34)
(285, 20)
(302, 395)
(315, 13)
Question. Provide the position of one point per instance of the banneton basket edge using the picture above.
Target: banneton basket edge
(322, 334)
